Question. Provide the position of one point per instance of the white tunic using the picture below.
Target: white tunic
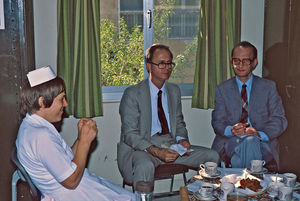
(48, 160)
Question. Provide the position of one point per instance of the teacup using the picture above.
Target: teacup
(210, 168)
(206, 190)
(289, 179)
(257, 165)
(273, 188)
(226, 188)
(285, 193)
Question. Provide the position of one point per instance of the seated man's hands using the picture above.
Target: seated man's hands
(239, 130)
(185, 143)
(164, 154)
(252, 131)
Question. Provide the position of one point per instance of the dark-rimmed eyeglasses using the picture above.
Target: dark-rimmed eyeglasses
(237, 61)
(163, 65)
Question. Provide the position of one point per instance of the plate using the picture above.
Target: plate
(204, 175)
(199, 197)
(251, 193)
(235, 179)
(264, 170)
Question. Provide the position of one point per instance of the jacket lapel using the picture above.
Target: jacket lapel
(144, 95)
(236, 101)
(171, 107)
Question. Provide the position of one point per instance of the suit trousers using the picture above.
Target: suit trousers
(243, 150)
(144, 164)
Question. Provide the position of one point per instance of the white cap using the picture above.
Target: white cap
(40, 75)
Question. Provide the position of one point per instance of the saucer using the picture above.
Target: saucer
(264, 170)
(204, 175)
(199, 197)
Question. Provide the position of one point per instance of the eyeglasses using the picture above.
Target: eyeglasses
(164, 65)
(237, 61)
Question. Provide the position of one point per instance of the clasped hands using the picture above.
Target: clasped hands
(87, 130)
(166, 154)
(240, 130)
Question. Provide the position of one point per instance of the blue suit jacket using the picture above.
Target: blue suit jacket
(265, 110)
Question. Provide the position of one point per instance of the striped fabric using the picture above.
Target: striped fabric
(219, 31)
(78, 58)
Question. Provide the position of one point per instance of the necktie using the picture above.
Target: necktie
(161, 115)
(244, 117)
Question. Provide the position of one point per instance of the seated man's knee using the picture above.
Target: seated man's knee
(142, 162)
(252, 139)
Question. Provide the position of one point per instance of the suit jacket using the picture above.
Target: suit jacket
(136, 118)
(265, 112)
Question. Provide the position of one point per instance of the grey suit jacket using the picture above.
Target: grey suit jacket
(265, 111)
(136, 118)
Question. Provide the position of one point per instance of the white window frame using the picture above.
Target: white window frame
(111, 93)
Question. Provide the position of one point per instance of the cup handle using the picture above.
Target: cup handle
(263, 162)
(202, 166)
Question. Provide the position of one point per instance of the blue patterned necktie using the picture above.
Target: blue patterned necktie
(244, 117)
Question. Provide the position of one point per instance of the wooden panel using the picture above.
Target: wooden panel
(16, 58)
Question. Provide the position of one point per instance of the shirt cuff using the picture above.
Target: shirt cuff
(263, 136)
(228, 132)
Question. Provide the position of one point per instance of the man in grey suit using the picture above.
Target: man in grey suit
(145, 137)
(248, 116)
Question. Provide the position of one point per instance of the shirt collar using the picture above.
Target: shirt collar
(248, 83)
(40, 121)
(154, 89)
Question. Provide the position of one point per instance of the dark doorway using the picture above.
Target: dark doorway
(282, 64)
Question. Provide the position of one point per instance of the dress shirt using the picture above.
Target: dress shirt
(239, 83)
(156, 127)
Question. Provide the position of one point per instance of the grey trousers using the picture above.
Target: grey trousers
(144, 164)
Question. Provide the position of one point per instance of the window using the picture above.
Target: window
(124, 38)
(183, 24)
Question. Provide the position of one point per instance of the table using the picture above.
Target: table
(262, 196)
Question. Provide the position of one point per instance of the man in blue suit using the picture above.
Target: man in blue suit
(248, 116)
(145, 138)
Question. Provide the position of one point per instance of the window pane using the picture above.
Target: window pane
(126, 5)
(122, 42)
(176, 25)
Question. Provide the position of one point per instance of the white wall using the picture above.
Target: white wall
(252, 28)
(103, 160)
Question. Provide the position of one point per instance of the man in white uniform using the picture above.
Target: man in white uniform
(56, 169)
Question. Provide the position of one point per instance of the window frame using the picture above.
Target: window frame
(115, 93)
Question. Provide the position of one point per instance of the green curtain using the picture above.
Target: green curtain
(78, 59)
(219, 31)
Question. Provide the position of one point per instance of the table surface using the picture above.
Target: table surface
(262, 196)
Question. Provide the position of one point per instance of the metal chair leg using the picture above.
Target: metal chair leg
(172, 181)
(14, 181)
(184, 178)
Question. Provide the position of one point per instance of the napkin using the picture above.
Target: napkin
(181, 150)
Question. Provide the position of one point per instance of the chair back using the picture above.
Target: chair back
(35, 193)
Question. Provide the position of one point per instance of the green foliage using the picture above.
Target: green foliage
(122, 53)
(163, 10)
(185, 60)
